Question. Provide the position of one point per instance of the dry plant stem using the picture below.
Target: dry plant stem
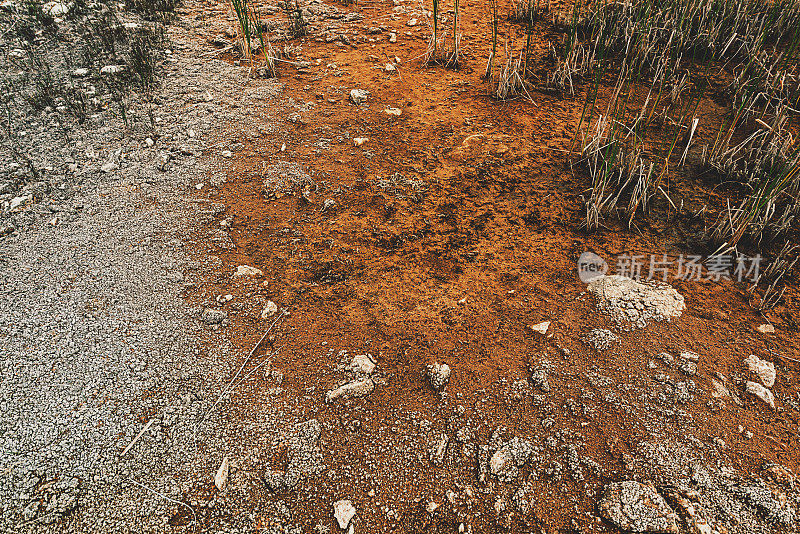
(139, 435)
(173, 501)
(241, 368)
(490, 63)
(260, 365)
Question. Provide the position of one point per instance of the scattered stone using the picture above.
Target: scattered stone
(600, 339)
(438, 375)
(412, 22)
(356, 388)
(392, 37)
(363, 363)
(505, 463)
(688, 368)
(437, 449)
(764, 370)
(270, 309)
(358, 96)
(221, 478)
(80, 73)
(212, 316)
(304, 458)
(431, 506)
(777, 509)
(358, 141)
(635, 305)
(691, 513)
(719, 391)
(539, 379)
(16, 202)
(682, 391)
(109, 166)
(329, 204)
(393, 111)
(761, 392)
(110, 70)
(636, 507)
(766, 329)
(246, 270)
(591, 266)
(779, 473)
(541, 328)
(56, 9)
(690, 356)
(523, 500)
(344, 511)
(574, 463)
(226, 154)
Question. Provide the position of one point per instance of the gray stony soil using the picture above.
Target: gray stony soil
(96, 340)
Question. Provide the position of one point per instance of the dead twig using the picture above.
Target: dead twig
(260, 365)
(217, 52)
(241, 368)
(139, 435)
(180, 503)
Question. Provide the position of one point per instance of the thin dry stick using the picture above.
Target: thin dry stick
(260, 365)
(37, 519)
(217, 52)
(139, 435)
(396, 65)
(233, 380)
(779, 355)
(151, 490)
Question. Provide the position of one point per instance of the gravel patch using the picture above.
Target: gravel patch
(96, 341)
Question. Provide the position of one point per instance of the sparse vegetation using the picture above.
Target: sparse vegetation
(452, 59)
(665, 52)
(298, 25)
(433, 45)
(436, 53)
(511, 79)
(109, 59)
(143, 54)
(154, 10)
(490, 63)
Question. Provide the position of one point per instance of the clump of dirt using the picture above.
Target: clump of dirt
(632, 304)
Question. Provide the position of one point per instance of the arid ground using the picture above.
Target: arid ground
(432, 223)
